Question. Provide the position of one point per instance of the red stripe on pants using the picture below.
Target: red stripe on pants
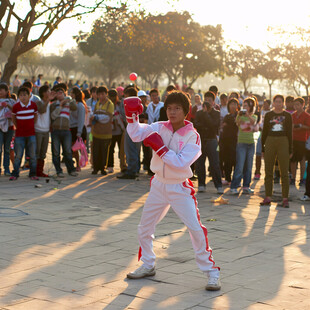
(204, 229)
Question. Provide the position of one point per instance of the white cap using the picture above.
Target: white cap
(141, 93)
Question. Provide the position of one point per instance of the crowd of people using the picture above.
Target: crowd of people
(32, 113)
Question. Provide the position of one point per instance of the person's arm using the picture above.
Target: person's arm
(55, 111)
(73, 105)
(189, 153)
(252, 118)
(265, 130)
(14, 120)
(81, 118)
(10, 104)
(35, 117)
(138, 131)
(289, 131)
(41, 107)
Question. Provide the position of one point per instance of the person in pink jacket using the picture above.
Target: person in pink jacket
(176, 145)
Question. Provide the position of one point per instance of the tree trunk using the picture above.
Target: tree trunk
(245, 86)
(270, 86)
(9, 69)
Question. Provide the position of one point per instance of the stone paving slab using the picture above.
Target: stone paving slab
(70, 243)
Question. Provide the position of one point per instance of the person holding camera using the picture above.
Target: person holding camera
(246, 121)
(229, 138)
(207, 123)
(277, 143)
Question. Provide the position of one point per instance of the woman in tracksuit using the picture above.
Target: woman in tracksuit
(176, 145)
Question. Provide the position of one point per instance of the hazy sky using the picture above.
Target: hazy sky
(243, 21)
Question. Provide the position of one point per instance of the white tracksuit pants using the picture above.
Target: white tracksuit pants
(182, 200)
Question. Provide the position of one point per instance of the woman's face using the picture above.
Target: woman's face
(246, 106)
(233, 107)
(3, 93)
(266, 106)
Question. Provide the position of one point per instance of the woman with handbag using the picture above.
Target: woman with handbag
(77, 122)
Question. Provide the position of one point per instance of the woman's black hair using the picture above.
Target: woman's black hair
(233, 100)
(6, 88)
(251, 102)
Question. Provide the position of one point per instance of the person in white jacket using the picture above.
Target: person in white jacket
(176, 145)
(42, 128)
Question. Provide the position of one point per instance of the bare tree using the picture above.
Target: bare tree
(45, 15)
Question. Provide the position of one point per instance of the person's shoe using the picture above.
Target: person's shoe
(110, 170)
(126, 177)
(150, 173)
(141, 272)
(257, 176)
(73, 173)
(94, 172)
(266, 202)
(201, 189)
(285, 203)
(220, 190)
(305, 198)
(12, 178)
(233, 191)
(60, 175)
(292, 182)
(302, 182)
(248, 190)
(34, 178)
(214, 284)
(103, 172)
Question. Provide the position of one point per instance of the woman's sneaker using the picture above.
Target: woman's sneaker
(141, 272)
(220, 190)
(234, 191)
(257, 176)
(266, 202)
(214, 284)
(305, 198)
(285, 203)
(110, 170)
(247, 190)
(201, 189)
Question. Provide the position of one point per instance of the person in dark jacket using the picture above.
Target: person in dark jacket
(207, 123)
(230, 138)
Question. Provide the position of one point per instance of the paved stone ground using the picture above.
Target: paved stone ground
(69, 245)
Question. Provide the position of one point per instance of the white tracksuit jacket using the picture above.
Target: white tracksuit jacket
(171, 187)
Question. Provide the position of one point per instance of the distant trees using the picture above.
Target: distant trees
(171, 44)
(243, 63)
(43, 16)
(297, 65)
(270, 67)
